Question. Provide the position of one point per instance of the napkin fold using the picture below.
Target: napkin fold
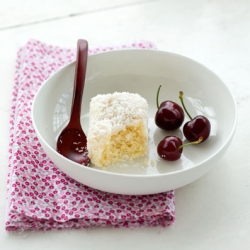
(39, 195)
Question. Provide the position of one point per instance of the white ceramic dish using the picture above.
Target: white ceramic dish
(140, 71)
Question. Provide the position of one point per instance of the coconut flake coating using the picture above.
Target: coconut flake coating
(118, 128)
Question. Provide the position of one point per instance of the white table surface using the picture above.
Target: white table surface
(211, 213)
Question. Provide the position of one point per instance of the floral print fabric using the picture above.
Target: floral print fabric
(40, 196)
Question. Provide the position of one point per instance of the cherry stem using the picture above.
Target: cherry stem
(191, 143)
(157, 97)
(182, 102)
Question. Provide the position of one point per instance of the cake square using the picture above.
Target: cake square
(118, 128)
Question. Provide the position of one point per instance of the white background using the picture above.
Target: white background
(211, 213)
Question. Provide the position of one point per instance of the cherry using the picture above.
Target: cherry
(169, 115)
(170, 148)
(197, 127)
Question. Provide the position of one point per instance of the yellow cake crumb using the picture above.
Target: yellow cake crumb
(118, 128)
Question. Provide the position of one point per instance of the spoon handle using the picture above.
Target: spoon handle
(80, 73)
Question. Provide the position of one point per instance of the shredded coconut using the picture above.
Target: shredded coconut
(109, 115)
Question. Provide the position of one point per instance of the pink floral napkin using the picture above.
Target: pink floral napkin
(40, 196)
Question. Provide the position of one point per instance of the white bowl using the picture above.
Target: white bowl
(139, 71)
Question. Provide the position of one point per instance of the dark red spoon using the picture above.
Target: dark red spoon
(72, 142)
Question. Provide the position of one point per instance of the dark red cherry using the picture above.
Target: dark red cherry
(197, 127)
(169, 115)
(168, 148)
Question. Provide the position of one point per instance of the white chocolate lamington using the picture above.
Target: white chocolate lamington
(118, 128)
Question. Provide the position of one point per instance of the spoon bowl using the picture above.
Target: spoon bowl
(72, 142)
